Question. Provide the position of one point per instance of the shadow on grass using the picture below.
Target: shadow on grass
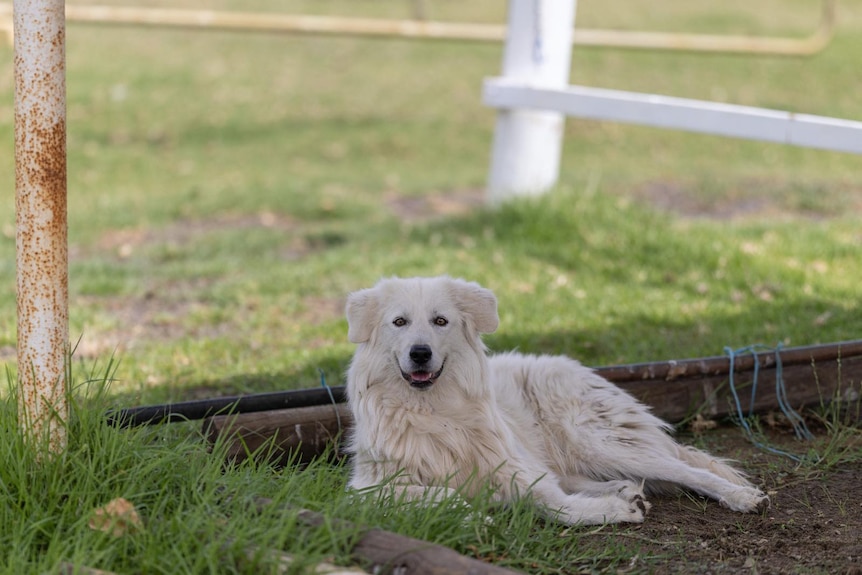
(631, 341)
(324, 371)
(635, 338)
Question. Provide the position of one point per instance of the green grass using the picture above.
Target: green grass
(190, 525)
(226, 191)
(199, 516)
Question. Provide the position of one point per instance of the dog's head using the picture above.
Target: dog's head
(421, 329)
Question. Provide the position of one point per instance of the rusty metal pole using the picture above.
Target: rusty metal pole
(41, 239)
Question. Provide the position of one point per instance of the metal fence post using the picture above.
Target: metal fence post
(41, 237)
(525, 158)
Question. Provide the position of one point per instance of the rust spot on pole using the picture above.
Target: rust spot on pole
(41, 238)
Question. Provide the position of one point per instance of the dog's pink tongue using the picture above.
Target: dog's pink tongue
(420, 376)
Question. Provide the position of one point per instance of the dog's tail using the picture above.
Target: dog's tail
(721, 467)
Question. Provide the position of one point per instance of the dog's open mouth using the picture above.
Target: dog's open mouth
(422, 379)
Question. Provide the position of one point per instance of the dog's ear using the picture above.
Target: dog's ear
(361, 310)
(478, 303)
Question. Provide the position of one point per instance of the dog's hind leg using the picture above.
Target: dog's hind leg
(733, 490)
(631, 444)
(697, 458)
(647, 453)
(719, 481)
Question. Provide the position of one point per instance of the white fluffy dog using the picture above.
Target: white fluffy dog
(433, 413)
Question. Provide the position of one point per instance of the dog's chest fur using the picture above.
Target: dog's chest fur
(427, 442)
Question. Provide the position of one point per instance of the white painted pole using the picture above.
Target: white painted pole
(41, 236)
(525, 157)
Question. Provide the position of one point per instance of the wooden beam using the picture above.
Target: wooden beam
(657, 370)
(720, 365)
(806, 385)
(676, 390)
(295, 435)
(384, 551)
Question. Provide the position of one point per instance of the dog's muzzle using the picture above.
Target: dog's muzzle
(418, 377)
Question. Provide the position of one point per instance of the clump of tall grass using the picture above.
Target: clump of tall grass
(201, 514)
(193, 516)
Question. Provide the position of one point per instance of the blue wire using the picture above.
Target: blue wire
(795, 419)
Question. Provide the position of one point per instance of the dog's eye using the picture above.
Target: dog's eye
(399, 322)
(441, 321)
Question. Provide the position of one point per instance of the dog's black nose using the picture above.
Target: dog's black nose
(420, 354)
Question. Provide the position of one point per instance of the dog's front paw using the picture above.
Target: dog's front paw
(746, 500)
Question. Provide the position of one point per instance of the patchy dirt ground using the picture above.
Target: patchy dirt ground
(814, 525)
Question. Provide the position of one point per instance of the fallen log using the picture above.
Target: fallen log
(282, 436)
(632, 377)
(381, 551)
(676, 391)
(720, 365)
(203, 408)
(804, 384)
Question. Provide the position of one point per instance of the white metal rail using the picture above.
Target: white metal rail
(681, 114)
(533, 98)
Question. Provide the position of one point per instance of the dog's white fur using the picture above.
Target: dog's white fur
(435, 420)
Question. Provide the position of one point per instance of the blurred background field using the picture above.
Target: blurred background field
(227, 190)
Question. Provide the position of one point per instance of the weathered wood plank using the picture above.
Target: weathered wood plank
(281, 435)
(805, 385)
(659, 370)
(720, 365)
(306, 432)
(382, 551)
